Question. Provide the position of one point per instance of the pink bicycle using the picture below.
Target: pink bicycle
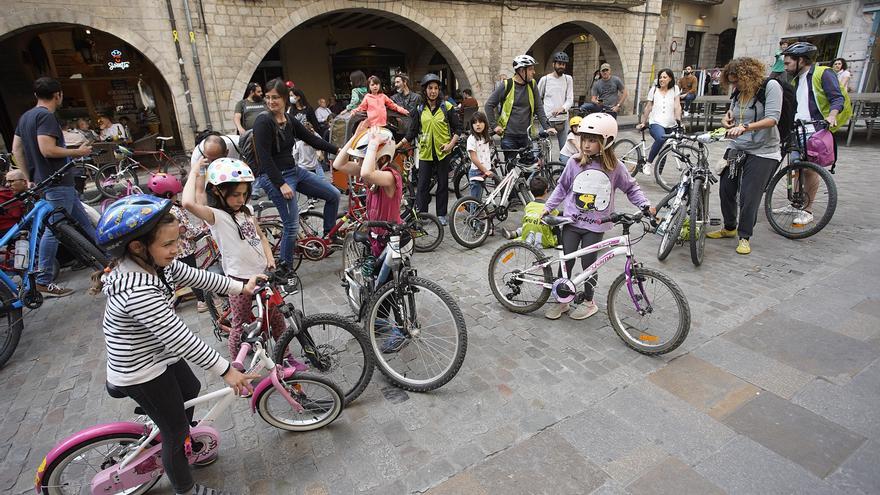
(126, 456)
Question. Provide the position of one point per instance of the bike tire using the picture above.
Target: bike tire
(81, 247)
(525, 261)
(637, 342)
(14, 325)
(699, 220)
(274, 229)
(783, 224)
(630, 154)
(318, 411)
(469, 228)
(461, 183)
(673, 231)
(90, 196)
(221, 324)
(52, 476)
(427, 232)
(420, 341)
(114, 188)
(311, 223)
(671, 162)
(553, 171)
(343, 355)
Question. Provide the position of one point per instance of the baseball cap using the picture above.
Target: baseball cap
(605, 66)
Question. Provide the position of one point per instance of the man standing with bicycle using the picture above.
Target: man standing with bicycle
(39, 150)
(557, 96)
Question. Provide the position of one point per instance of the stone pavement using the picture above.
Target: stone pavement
(775, 390)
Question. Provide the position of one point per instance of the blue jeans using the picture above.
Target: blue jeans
(590, 107)
(513, 141)
(686, 101)
(303, 182)
(65, 197)
(657, 132)
(476, 185)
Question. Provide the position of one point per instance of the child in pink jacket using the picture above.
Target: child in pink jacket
(374, 104)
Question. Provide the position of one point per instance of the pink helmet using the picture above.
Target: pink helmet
(164, 185)
(600, 124)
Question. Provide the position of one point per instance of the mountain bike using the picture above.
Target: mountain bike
(647, 309)
(24, 294)
(126, 456)
(685, 209)
(801, 197)
(416, 330)
(674, 158)
(634, 155)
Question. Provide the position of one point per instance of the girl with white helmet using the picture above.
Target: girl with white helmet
(244, 249)
(585, 193)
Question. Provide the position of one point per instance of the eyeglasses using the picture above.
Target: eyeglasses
(606, 70)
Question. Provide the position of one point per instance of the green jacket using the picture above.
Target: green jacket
(532, 223)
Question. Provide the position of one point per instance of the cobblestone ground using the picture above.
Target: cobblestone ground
(775, 390)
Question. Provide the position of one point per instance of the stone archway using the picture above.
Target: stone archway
(419, 22)
(605, 40)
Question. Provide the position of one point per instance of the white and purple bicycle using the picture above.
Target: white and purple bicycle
(125, 457)
(647, 309)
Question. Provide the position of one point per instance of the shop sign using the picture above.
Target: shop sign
(816, 18)
(117, 62)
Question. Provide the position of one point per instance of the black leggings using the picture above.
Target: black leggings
(428, 169)
(162, 399)
(755, 172)
(573, 239)
(191, 261)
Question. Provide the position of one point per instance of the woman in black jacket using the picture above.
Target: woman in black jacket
(274, 137)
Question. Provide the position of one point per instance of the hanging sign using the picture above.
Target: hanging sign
(117, 62)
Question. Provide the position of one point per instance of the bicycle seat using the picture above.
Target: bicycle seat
(362, 237)
(114, 392)
(164, 138)
(555, 221)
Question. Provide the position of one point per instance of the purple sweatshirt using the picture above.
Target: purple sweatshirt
(586, 193)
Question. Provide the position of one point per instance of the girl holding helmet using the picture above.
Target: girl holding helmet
(572, 141)
(244, 249)
(147, 343)
(585, 193)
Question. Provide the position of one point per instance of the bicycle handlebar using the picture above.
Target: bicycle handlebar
(31, 192)
(391, 226)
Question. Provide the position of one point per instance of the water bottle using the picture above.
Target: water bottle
(20, 261)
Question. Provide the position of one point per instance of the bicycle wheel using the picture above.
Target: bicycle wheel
(470, 222)
(673, 230)
(656, 318)
(311, 223)
(334, 347)
(628, 152)
(81, 247)
(554, 172)
(427, 232)
(515, 277)
(354, 255)
(218, 309)
(91, 194)
(73, 470)
(671, 162)
(788, 197)
(320, 399)
(461, 183)
(11, 325)
(699, 222)
(112, 183)
(274, 230)
(418, 334)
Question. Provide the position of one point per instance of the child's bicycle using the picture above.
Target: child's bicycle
(124, 457)
(647, 309)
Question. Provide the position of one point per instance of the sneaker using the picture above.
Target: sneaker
(336, 240)
(202, 307)
(786, 210)
(584, 311)
(687, 114)
(556, 311)
(648, 169)
(803, 218)
(743, 247)
(443, 220)
(509, 234)
(198, 489)
(721, 234)
(393, 340)
(53, 290)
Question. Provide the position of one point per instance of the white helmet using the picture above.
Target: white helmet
(600, 124)
(359, 150)
(521, 61)
(592, 190)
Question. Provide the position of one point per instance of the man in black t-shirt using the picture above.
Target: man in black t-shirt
(246, 110)
(39, 150)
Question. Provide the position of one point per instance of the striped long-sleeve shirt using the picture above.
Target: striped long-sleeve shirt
(142, 332)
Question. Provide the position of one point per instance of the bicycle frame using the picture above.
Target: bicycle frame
(35, 218)
(504, 188)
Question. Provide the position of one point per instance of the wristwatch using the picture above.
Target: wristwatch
(745, 127)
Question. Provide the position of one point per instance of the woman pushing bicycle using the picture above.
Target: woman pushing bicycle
(586, 192)
(145, 338)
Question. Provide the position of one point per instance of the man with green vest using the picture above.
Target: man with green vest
(435, 123)
(819, 96)
(519, 103)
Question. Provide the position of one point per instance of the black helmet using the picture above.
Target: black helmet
(561, 57)
(429, 78)
(800, 49)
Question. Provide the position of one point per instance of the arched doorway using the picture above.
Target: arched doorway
(100, 74)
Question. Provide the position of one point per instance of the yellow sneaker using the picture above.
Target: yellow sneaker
(720, 234)
(743, 247)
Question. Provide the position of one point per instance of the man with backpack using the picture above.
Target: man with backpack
(518, 99)
(819, 96)
(557, 96)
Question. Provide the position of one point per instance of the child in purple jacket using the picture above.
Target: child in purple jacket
(585, 193)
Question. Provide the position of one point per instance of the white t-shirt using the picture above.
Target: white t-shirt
(663, 111)
(483, 150)
(556, 92)
(231, 146)
(241, 258)
(803, 101)
(321, 113)
(571, 148)
(305, 156)
(115, 131)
